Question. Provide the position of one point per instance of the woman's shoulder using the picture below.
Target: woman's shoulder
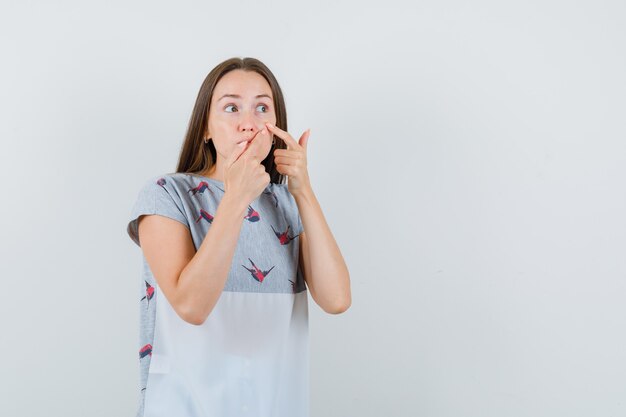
(174, 179)
(171, 183)
(172, 176)
(154, 178)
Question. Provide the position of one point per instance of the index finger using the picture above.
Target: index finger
(284, 135)
(255, 143)
(236, 153)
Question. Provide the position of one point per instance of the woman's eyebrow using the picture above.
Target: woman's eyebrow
(238, 96)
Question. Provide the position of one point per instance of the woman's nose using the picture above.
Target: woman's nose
(247, 122)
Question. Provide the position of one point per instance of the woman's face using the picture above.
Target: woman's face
(242, 103)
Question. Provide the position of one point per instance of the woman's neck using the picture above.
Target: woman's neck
(211, 173)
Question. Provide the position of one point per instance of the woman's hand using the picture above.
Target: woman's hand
(292, 161)
(244, 175)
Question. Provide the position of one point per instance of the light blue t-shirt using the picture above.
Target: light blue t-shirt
(251, 355)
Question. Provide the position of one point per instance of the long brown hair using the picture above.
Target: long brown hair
(195, 155)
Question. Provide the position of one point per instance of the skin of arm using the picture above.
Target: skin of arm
(201, 282)
(192, 280)
(322, 264)
(324, 268)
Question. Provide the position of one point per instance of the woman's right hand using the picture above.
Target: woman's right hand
(244, 175)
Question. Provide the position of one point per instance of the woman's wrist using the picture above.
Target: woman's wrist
(233, 204)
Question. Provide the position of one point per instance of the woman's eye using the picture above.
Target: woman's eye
(260, 105)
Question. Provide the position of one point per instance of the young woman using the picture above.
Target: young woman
(229, 251)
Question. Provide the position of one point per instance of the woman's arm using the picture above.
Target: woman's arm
(192, 280)
(324, 268)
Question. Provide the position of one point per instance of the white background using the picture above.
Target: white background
(468, 156)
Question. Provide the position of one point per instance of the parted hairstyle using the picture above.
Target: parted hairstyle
(195, 155)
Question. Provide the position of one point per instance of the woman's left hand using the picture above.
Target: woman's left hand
(292, 161)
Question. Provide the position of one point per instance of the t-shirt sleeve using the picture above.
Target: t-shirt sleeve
(157, 196)
(292, 207)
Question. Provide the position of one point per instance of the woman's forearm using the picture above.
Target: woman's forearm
(201, 282)
(325, 269)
